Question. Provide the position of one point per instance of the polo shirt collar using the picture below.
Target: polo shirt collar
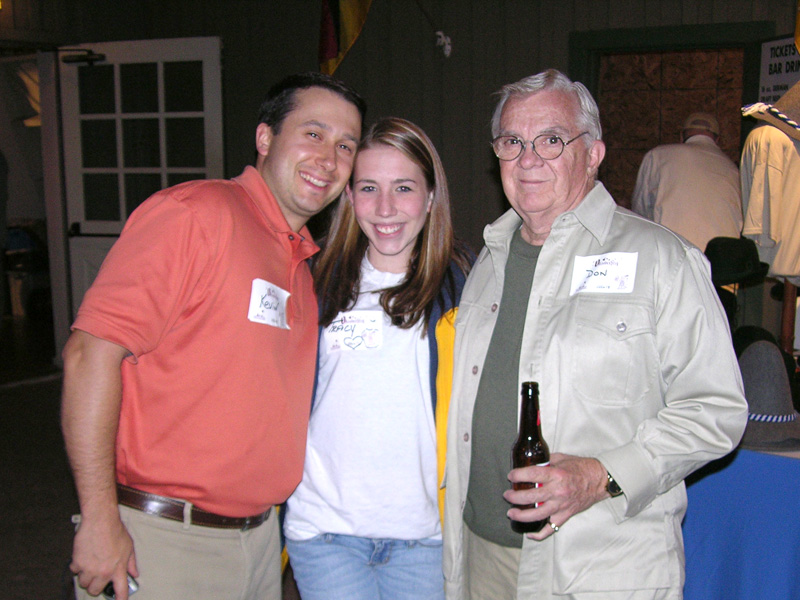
(262, 196)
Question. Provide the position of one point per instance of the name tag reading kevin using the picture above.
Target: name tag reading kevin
(612, 273)
(268, 304)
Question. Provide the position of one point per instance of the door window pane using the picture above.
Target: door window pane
(139, 87)
(99, 143)
(176, 178)
(101, 197)
(183, 86)
(96, 89)
(139, 187)
(140, 143)
(185, 143)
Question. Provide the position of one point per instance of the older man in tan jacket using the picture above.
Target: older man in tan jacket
(618, 321)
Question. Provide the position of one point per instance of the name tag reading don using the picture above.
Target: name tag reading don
(612, 273)
(268, 304)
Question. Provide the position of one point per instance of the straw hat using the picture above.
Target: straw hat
(784, 114)
(772, 422)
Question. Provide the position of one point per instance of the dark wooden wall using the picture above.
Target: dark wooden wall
(395, 63)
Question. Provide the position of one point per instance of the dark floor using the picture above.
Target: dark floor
(37, 496)
(27, 347)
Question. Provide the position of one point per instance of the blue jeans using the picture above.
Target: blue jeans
(343, 567)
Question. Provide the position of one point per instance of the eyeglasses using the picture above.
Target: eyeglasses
(547, 146)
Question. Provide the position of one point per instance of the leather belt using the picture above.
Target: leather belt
(172, 509)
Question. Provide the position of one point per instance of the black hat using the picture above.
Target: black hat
(735, 260)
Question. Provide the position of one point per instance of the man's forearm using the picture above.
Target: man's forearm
(103, 550)
(89, 418)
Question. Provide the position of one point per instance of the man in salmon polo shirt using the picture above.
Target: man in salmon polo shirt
(188, 374)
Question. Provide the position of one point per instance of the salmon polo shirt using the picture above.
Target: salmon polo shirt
(210, 291)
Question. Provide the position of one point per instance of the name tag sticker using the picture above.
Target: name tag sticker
(268, 304)
(355, 330)
(612, 273)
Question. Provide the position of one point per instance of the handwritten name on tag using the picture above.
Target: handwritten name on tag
(355, 330)
(268, 304)
(612, 273)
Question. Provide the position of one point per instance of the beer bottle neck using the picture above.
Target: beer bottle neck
(530, 419)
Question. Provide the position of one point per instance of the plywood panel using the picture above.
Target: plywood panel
(644, 100)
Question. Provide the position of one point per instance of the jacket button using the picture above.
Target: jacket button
(494, 307)
(475, 370)
(466, 437)
(622, 326)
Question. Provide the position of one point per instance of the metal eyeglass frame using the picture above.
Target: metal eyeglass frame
(532, 142)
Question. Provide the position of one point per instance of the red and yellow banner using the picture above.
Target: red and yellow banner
(342, 21)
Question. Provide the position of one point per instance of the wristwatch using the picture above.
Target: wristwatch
(612, 487)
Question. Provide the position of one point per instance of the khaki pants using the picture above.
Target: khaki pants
(202, 563)
(492, 570)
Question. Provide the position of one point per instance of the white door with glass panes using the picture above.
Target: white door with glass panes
(141, 116)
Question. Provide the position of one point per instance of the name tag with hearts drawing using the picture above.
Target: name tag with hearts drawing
(355, 330)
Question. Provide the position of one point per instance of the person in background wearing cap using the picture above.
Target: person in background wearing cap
(692, 187)
(741, 531)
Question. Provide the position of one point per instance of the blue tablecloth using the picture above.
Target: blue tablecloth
(742, 529)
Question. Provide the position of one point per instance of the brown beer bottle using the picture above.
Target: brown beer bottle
(529, 449)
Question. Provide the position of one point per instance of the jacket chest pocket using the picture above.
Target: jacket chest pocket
(614, 358)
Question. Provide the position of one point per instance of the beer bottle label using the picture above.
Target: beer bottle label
(536, 484)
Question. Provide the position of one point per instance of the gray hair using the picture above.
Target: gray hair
(588, 114)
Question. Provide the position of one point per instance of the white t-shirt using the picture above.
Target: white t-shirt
(370, 468)
(771, 197)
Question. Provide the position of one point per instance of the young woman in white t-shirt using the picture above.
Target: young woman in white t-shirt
(365, 522)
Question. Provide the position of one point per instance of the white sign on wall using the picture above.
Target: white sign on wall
(780, 69)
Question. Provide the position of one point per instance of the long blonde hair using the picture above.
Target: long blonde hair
(337, 271)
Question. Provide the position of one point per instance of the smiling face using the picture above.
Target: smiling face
(391, 201)
(308, 163)
(540, 190)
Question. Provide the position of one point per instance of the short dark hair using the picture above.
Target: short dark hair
(280, 100)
